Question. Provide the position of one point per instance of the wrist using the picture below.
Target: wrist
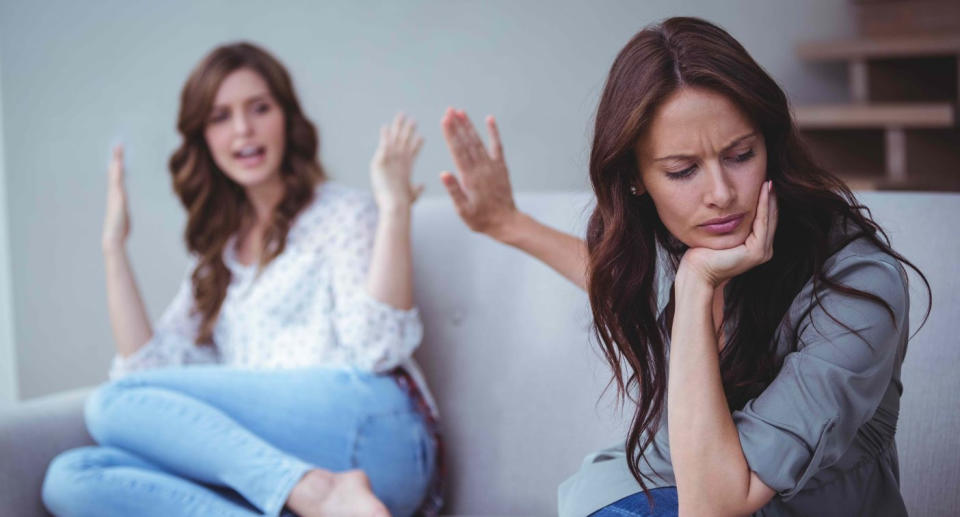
(688, 284)
(114, 250)
(391, 210)
(510, 230)
(393, 203)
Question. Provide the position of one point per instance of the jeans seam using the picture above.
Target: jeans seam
(366, 420)
(276, 503)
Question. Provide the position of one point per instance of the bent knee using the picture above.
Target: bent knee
(99, 411)
(65, 482)
(96, 410)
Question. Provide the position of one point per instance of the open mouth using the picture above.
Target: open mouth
(250, 155)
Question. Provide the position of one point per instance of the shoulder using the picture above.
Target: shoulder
(338, 199)
(866, 266)
(338, 205)
(858, 317)
(336, 215)
(861, 265)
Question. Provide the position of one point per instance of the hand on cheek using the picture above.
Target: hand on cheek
(717, 266)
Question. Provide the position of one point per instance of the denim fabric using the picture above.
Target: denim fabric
(664, 505)
(214, 440)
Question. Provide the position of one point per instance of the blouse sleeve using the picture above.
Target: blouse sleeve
(371, 334)
(832, 385)
(172, 342)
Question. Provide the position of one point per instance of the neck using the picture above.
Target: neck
(264, 198)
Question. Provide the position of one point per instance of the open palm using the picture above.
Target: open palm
(481, 192)
(392, 164)
(116, 223)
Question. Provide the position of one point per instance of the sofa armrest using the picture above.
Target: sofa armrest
(31, 434)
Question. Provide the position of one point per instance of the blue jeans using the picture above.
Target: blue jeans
(664, 505)
(213, 440)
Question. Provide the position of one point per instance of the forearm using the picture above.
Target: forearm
(712, 475)
(128, 315)
(561, 251)
(390, 277)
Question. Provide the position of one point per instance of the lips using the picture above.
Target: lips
(249, 151)
(722, 225)
(721, 220)
(250, 156)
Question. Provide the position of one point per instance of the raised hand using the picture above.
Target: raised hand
(116, 224)
(392, 164)
(717, 266)
(482, 194)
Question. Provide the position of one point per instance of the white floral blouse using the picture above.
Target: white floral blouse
(307, 307)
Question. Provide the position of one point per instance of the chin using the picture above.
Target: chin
(721, 242)
(248, 178)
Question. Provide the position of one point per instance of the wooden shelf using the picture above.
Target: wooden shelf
(900, 17)
(880, 48)
(901, 128)
(915, 182)
(880, 116)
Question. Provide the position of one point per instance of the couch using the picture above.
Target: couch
(521, 384)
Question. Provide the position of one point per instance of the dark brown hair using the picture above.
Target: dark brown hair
(216, 205)
(625, 232)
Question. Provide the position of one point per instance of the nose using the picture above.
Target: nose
(241, 124)
(720, 192)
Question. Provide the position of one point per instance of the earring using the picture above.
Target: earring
(633, 190)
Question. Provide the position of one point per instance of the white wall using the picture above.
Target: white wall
(8, 359)
(79, 75)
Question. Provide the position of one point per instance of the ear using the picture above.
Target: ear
(637, 189)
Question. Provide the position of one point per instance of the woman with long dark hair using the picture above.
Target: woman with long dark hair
(770, 381)
(280, 377)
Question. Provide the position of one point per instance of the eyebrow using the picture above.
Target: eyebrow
(726, 148)
(253, 98)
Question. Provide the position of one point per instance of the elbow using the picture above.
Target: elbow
(378, 357)
(728, 501)
(712, 509)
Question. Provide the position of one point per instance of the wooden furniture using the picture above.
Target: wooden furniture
(900, 127)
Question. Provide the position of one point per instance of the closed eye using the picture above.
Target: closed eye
(740, 158)
(685, 173)
(219, 117)
(679, 175)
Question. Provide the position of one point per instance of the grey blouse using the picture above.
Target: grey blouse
(822, 433)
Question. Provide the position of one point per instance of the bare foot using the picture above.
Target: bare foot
(322, 493)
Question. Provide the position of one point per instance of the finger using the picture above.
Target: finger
(459, 197)
(772, 217)
(465, 139)
(462, 137)
(451, 133)
(381, 144)
(496, 148)
(476, 149)
(384, 137)
(417, 191)
(407, 133)
(760, 219)
(115, 168)
(417, 145)
(398, 121)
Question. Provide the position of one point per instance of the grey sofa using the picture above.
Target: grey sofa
(519, 382)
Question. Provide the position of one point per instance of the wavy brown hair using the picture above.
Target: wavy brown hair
(625, 233)
(216, 205)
